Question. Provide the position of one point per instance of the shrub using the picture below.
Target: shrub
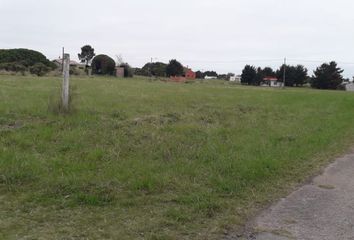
(13, 67)
(24, 57)
(17, 67)
(77, 71)
(22, 60)
(157, 69)
(39, 69)
(55, 105)
(103, 65)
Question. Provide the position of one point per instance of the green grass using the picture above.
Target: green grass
(154, 160)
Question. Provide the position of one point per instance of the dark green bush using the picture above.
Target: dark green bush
(157, 69)
(39, 69)
(77, 71)
(24, 57)
(22, 60)
(103, 65)
(13, 67)
(174, 68)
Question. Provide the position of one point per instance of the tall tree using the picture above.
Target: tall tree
(174, 68)
(327, 76)
(289, 79)
(259, 76)
(199, 74)
(300, 75)
(268, 72)
(87, 53)
(294, 75)
(249, 75)
(211, 74)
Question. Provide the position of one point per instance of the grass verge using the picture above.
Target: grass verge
(153, 160)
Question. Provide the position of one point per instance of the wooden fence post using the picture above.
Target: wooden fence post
(65, 87)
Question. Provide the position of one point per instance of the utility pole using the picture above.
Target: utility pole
(150, 69)
(62, 59)
(284, 73)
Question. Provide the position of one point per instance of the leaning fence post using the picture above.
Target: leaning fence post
(65, 87)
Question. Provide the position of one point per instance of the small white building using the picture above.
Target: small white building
(271, 82)
(236, 79)
(210, 77)
(349, 87)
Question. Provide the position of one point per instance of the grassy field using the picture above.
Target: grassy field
(154, 160)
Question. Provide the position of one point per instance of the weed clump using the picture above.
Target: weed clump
(55, 104)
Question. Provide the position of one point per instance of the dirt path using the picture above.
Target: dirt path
(321, 210)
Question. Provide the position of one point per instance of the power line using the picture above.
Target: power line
(246, 60)
(319, 61)
(233, 61)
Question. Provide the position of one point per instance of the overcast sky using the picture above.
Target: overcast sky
(221, 35)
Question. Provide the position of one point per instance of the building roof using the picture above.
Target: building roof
(187, 69)
(72, 62)
(270, 79)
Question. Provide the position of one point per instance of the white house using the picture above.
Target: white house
(236, 78)
(271, 82)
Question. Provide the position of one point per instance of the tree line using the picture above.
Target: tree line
(173, 68)
(160, 69)
(105, 65)
(326, 76)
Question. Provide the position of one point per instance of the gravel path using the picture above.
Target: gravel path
(321, 210)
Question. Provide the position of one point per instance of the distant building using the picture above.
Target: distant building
(271, 82)
(210, 77)
(59, 63)
(236, 78)
(349, 87)
(189, 74)
(120, 72)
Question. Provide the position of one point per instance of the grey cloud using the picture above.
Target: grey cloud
(222, 35)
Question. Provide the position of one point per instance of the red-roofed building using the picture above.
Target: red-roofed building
(189, 74)
(272, 82)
